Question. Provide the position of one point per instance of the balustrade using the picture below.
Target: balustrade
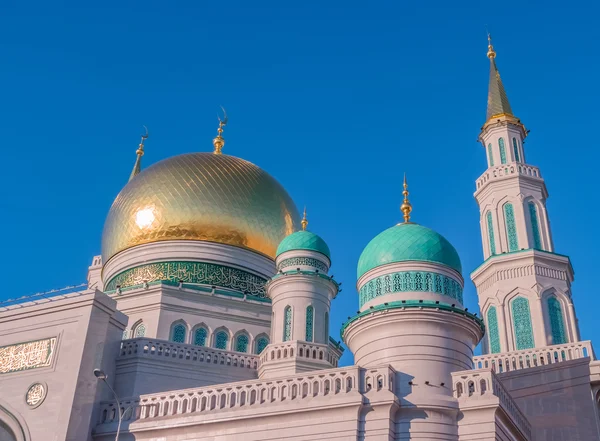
(514, 168)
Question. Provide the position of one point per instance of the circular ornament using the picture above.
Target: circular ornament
(36, 394)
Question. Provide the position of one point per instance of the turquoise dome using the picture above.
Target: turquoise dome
(408, 242)
(303, 240)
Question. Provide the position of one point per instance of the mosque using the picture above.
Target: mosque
(207, 318)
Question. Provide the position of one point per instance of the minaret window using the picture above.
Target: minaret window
(516, 149)
(221, 339)
(502, 151)
(511, 228)
(200, 336)
(241, 343)
(490, 225)
(556, 321)
(310, 319)
(490, 155)
(535, 227)
(178, 333)
(261, 344)
(287, 323)
(492, 328)
(139, 331)
(522, 323)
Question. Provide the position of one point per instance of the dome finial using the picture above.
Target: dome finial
(139, 152)
(406, 207)
(304, 221)
(491, 53)
(219, 142)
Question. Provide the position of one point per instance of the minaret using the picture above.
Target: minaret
(524, 287)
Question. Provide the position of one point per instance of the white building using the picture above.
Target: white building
(208, 312)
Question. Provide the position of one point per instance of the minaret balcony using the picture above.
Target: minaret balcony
(505, 171)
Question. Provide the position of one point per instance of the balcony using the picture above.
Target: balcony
(502, 171)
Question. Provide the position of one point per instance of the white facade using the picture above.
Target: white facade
(206, 339)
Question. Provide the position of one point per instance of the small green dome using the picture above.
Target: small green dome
(303, 240)
(405, 242)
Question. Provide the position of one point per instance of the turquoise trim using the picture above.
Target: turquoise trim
(522, 323)
(491, 238)
(520, 251)
(516, 149)
(337, 344)
(425, 304)
(490, 155)
(492, 327)
(502, 151)
(408, 242)
(303, 240)
(302, 261)
(406, 281)
(535, 227)
(305, 272)
(191, 272)
(310, 319)
(287, 323)
(511, 228)
(557, 325)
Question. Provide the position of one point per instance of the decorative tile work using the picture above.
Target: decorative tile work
(140, 331)
(491, 238)
(511, 228)
(287, 323)
(25, 356)
(221, 340)
(535, 227)
(241, 343)
(502, 151)
(516, 149)
(522, 323)
(310, 318)
(410, 281)
(303, 261)
(261, 344)
(557, 326)
(490, 155)
(492, 328)
(200, 336)
(178, 333)
(191, 272)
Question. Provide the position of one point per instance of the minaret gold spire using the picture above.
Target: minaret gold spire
(498, 104)
(304, 221)
(139, 152)
(406, 207)
(218, 141)
(491, 53)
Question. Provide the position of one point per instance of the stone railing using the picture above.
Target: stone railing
(289, 349)
(151, 348)
(252, 394)
(526, 358)
(514, 168)
(483, 383)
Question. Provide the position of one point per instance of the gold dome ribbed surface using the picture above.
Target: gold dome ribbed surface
(201, 196)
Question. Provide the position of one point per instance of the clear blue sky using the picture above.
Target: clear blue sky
(335, 99)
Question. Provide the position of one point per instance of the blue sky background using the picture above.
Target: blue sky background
(334, 99)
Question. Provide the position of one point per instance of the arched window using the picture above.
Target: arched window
(502, 151)
(200, 336)
(326, 328)
(221, 339)
(490, 155)
(287, 323)
(535, 226)
(492, 327)
(261, 344)
(178, 333)
(310, 318)
(490, 225)
(522, 323)
(241, 343)
(556, 321)
(139, 330)
(511, 228)
(516, 149)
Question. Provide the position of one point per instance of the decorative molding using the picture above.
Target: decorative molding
(36, 394)
(406, 281)
(521, 271)
(302, 261)
(29, 355)
(191, 272)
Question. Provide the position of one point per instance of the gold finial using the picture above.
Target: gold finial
(406, 207)
(218, 141)
(491, 53)
(304, 221)
(139, 152)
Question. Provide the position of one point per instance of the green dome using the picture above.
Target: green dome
(406, 242)
(303, 240)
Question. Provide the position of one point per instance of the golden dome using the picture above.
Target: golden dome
(201, 196)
